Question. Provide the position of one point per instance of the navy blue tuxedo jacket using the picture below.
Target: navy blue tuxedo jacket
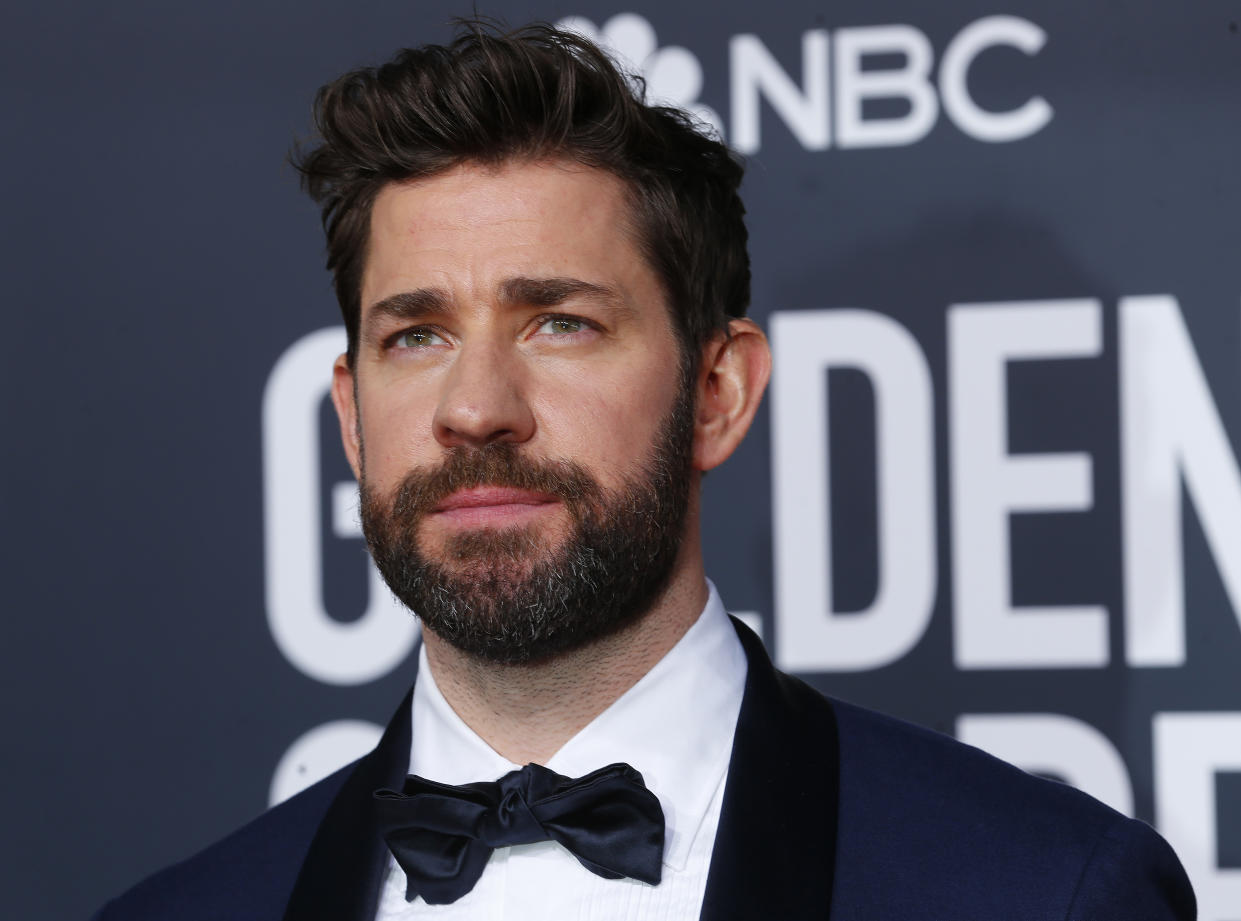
(829, 811)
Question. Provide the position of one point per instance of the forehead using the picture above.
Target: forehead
(470, 228)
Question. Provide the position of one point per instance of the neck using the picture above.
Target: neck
(527, 712)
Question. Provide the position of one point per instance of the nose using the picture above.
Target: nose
(482, 400)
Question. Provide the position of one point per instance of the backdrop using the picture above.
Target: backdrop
(995, 488)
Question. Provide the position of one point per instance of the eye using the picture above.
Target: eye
(561, 326)
(417, 338)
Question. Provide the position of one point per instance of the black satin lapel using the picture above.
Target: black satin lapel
(775, 850)
(344, 868)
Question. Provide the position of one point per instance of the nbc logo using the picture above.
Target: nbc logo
(838, 75)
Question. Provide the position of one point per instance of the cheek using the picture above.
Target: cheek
(396, 435)
(609, 424)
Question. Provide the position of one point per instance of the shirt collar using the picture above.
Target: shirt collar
(675, 726)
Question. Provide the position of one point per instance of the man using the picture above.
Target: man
(544, 284)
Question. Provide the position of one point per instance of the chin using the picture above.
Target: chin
(495, 548)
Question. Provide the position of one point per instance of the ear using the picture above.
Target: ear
(347, 413)
(731, 380)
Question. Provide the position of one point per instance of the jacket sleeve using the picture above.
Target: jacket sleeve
(1133, 875)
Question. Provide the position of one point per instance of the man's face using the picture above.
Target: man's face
(523, 432)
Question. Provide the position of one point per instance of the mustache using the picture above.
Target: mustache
(498, 464)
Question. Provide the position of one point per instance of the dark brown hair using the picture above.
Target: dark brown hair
(493, 96)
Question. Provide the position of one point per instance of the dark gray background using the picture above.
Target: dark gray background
(159, 258)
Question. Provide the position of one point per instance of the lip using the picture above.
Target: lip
(492, 496)
(492, 505)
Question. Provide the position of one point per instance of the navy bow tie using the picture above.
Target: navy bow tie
(442, 836)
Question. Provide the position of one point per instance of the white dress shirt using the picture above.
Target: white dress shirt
(675, 726)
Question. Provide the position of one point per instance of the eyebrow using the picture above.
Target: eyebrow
(518, 291)
(411, 305)
(549, 292)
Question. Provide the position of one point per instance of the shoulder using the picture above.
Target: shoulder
(244, 877)
(984, 836)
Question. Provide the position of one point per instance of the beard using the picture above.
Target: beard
(502, 595)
